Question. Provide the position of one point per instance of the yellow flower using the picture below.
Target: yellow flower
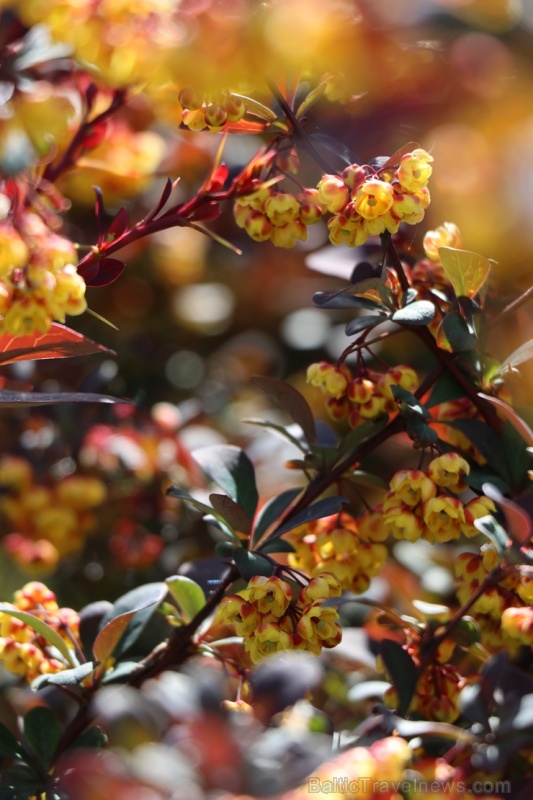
(412, 486)
(475, 509)
(446, 235)
(401, 521)
(448, 471)
(443, 516)
(323, 586)
(374, 198)
(333, 193)
(267, 639)
(331, 379)
(318, 624)
(414, 170)
(234, 610)
(269, 595)
(281, 208)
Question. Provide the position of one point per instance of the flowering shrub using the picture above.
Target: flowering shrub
(355, 604)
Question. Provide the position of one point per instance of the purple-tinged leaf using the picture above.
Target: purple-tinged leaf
(291, 401)
(231, 469)
(99, 213)
(403, 672)
(109, 270)
(10, 399)
(272, 510)
(322, 508)
(232, 513)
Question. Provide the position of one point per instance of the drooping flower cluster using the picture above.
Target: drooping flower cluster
(279, 217)
(425, 503)
(366, 202)
(503, 610)
(270, 620)
(361, 397)
(25, 652)
(202, 111)
(48, 521)
(39, 281)
(341, 545)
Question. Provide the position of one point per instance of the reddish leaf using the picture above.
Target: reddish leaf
(206, 212)
(99, 213)
(95, 136)
(218, 179)
(58, 342)
(119, 224)
(510, 414)
(518, 522)
(109, 270)
(396, 157)
(245, 126)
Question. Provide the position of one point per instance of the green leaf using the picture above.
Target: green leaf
(207, 511)
(486, 441)
(127, 619)
(250, 564)
(421, 312)
(312, 98)
(231, 469)
(52, 636)
(466, 271)
(322, 508)
(403, 672)
(518, 522)
(518, 459)
(420, 432)
(272, 510)
(91, 738)
(67, 677)
(43, 733)
(374, 289)
(283, 430)
(457, 333)
(291, 401)
(189, 596)
(494, 532)
(224, 549)
(9, 746)
(232, 513)
(362, 324)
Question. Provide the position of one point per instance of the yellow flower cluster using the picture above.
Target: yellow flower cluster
(270, 621)
(25, 652)
(363, 397)
(364, 203)
(502, 611)
(280, 217)
(50, 521)
(417, 507)
(339, 544)
(39, 281)
(212, 112)
(437, 693)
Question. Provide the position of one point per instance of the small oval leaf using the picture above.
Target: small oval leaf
(48, 633)
(188, 595)
(421, 312)
(466, 271)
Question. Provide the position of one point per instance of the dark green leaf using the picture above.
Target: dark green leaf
(231, 469)
(517, 457)
(291, 401)
(9, 746)
(91, 738)
(445, 389)
(272, 510)
(126, 621)
(224, 549)
(250, 564)
(466, 633)
(232, 513)
(351, 441)
(408, 403)
(421, 312)
(322, 508)
(278, 546)
(481, 475)
(43, 732)
(122, 672)
(188, 595)
(494, 532)
(20, 782)
(362, 324)
(403, 672)
(456, 330)
(67, 677)
(342, 300)
(207, 511)
(420, 432)
(486, 441)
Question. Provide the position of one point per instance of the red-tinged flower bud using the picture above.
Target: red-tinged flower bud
(189, 98)
(258, 227)
(414, 170)
(361, 390)
(333, 193)
(194, 119)
(446, 235)
(353, 176)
